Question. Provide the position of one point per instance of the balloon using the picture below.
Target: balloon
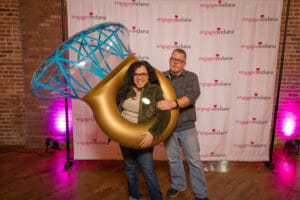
(91, 66)
(78, 64)
(102, 100)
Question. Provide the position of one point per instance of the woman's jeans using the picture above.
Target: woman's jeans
(189, 142)
(143, 158)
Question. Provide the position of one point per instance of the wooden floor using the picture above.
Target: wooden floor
(39, 175)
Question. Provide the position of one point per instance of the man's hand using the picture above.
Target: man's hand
(166, 104)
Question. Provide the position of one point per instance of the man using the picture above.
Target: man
(184, 134)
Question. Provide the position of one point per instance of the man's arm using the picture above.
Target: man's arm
(173, 104)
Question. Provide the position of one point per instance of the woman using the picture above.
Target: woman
(137, 100)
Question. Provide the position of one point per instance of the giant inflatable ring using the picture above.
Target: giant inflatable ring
(91, 66)
(102, 100)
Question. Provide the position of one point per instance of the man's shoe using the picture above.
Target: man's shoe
(172, 192)
(201, 198)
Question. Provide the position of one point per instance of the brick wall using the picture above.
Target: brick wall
(12, 112)
(41, 34)
(289, 101)
(31, 30)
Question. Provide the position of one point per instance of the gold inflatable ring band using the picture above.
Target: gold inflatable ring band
(102, 100)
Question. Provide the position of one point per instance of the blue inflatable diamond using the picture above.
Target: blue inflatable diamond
(79, 63)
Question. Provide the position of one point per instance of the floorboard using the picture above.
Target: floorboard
(36, 174)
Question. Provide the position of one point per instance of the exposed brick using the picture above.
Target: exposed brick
(30, 30)
(12, 112)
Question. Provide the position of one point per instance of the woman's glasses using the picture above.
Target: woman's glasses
(143, 75)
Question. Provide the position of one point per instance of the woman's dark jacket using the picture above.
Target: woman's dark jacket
(147, 112)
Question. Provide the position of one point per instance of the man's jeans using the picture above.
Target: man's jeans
(188, 139)
(143, 158)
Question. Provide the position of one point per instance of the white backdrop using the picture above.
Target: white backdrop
(231, 45)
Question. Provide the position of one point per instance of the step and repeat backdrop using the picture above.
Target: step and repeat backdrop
(231, 45)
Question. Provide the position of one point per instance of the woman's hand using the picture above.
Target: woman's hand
(147, 141)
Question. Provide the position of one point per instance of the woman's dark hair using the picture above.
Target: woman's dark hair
(128, 83)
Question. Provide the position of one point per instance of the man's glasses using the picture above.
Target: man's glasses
(143, 75)
(174, 60)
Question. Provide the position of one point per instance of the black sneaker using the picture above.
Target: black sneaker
(172, 192)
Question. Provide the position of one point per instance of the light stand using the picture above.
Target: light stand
(69, 161)
(269, 163)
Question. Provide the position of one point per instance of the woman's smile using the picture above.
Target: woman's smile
(140, 77)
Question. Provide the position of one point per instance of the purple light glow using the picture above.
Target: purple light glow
(57, 118)
(288, 120)
(289, 124)
(60, 120)
(287, 173)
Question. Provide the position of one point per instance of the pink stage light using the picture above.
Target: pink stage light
(57, 117)
(60, 121)
(289, 124)
(289, 120)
